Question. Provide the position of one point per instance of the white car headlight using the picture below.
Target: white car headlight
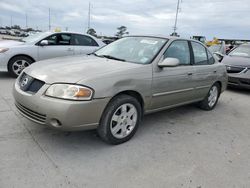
(2, 50)
(69, 91)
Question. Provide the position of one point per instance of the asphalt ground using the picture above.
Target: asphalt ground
(182, 147)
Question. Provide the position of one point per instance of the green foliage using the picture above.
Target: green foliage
(122, 30)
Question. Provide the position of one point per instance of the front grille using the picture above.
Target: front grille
(30, 84)
(30, 114)
(231, 69)
(245, 81)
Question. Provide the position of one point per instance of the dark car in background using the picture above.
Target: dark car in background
(238, 66)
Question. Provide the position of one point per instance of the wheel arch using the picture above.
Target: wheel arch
(220, 84)
(131, 93)
(25, 55)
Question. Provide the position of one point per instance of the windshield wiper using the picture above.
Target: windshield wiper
(111, 57)
(107, 56)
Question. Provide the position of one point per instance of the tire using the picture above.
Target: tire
(211, 99)
(120, 120)
(17, 64)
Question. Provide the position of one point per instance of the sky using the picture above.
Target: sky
(210, 18)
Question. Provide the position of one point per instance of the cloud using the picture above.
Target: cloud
(10, 7)
(222, 18)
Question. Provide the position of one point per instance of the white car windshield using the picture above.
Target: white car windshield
(140, 50)
(34, 37)
(242, 51)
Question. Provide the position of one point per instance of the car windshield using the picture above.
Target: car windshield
(242, 51)
(140, 50)
(215, 48)
(34, 37)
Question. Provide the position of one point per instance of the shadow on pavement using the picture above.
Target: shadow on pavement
(5, 75)
(239, 90)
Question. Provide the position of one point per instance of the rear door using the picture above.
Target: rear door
(174, 85)
(205, 69)
(58, 45)
(84, 44)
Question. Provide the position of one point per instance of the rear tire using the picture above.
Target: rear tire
(211, 99)
(120, 119)
(17, 64)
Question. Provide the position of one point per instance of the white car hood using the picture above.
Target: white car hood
(10, 43)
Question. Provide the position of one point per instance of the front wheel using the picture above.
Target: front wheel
(17, 64)
(211, 99)
(120, 120)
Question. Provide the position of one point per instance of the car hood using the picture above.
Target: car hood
(72, 69)
(10, 43)
(236, 61)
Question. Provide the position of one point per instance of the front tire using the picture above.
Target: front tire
(211, 99)
(120, 119)
(17, 64)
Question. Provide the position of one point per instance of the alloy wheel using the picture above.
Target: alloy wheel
(123, 120)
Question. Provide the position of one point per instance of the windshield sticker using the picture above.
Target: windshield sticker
(153, 42)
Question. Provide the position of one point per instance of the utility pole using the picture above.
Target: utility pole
(176, 16)
(49, 20)
(89, 17)
(11, 21)
(26, 20)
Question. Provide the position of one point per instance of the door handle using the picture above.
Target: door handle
(70, 49)
(190, 74)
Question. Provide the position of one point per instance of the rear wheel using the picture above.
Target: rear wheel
(211, 99)
(17, 64)
(120, 120)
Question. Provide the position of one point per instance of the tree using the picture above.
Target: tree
(92, 32)
(121, 31)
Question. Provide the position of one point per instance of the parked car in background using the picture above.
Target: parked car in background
(238, 66)
(221, 48)
(3, 31)
(112, 89)
(17, 55)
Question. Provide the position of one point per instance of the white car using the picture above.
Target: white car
(17, 55)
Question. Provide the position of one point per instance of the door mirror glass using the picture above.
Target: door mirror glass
(44, 43)
(169, 62)
(219, 56)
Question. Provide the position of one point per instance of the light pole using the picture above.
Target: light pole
(49, 21)
(176, 17)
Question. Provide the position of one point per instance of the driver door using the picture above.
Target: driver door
(174, 85)
(58, 45)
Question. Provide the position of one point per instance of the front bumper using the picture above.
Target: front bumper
(57, 113)
(241, 80)
(3, 62)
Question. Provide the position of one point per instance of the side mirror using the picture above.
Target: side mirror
(44, 43)
(169, 62)
(219, 56)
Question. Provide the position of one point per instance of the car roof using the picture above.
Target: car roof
(166, 37)
(69, 32)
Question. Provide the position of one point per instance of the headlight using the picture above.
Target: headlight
(68, 91)
(2, 50)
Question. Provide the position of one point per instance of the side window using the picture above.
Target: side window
(81, 40)
(210, 58)
(59, 39)
(179, 49)
(200, 54)
(51, 40)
